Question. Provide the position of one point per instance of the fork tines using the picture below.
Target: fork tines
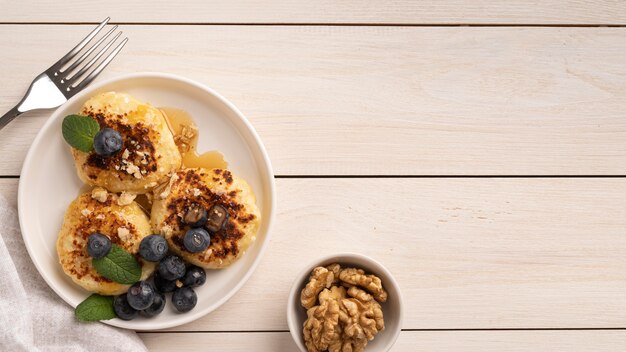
(71, 74)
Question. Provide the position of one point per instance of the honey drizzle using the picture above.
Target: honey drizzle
(176, 119)
(144, 203)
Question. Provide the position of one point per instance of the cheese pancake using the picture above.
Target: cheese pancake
(148, 152)
(206, 189)
(100, 211)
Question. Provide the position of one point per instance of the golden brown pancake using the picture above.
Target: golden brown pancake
(206, 188)
(125, 225)
(148, 154)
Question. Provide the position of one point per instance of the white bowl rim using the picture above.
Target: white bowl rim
(267, 170)
(296, 330)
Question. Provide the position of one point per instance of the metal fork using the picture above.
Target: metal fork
(62, 80)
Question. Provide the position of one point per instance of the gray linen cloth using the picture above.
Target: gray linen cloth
(32, 316)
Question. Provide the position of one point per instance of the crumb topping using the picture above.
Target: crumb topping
(185, 138)
(150, 185)
(123, 233)
(100, 194)
(126, 198)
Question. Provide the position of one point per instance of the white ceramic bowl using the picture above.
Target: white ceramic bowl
(392, 309)
(48, 183)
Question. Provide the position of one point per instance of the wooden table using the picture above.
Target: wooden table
(476, 148)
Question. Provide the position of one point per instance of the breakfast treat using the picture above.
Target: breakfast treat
(209, 217)
(134, 150)
(94, 222)
(343, 309)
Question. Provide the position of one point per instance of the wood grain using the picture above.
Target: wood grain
(379, 100)
(324, 11)
(431, 341)
(467, 253)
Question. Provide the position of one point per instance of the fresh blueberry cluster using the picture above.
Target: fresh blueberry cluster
(172, 275)
(149, 298)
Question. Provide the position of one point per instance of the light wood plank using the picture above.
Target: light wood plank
(324, 11)
(375, 100)
(257, 341)
(432, 341)
(467, 253)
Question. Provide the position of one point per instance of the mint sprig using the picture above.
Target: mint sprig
(119, 266)
(95, 307)
(79, 131)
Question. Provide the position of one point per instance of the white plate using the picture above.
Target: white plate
(48, 183)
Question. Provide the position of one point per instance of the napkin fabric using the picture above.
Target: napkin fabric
(32, 317)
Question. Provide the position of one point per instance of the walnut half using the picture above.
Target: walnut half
(320, 279)
(321, 327)
(370, 283)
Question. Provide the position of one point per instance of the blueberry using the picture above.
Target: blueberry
(157, 305)
(171, 267)
(153, 248)
(196, 240)
(107, 142)
(195, 216)
(194, 277)
(217, 218)
(98, 245)
(140, 295)
(164, 286)
(184, 299)
(123, 310)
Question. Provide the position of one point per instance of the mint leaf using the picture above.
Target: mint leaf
(79, 131)
(119, 266)
(95, 307)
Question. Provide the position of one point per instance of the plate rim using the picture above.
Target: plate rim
(268, 170)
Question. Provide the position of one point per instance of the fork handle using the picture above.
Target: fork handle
(9, 116)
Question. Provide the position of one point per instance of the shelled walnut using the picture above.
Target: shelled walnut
(336, 269)
(321, 327)
(320, 279)
(370, 283)
(343, 309)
